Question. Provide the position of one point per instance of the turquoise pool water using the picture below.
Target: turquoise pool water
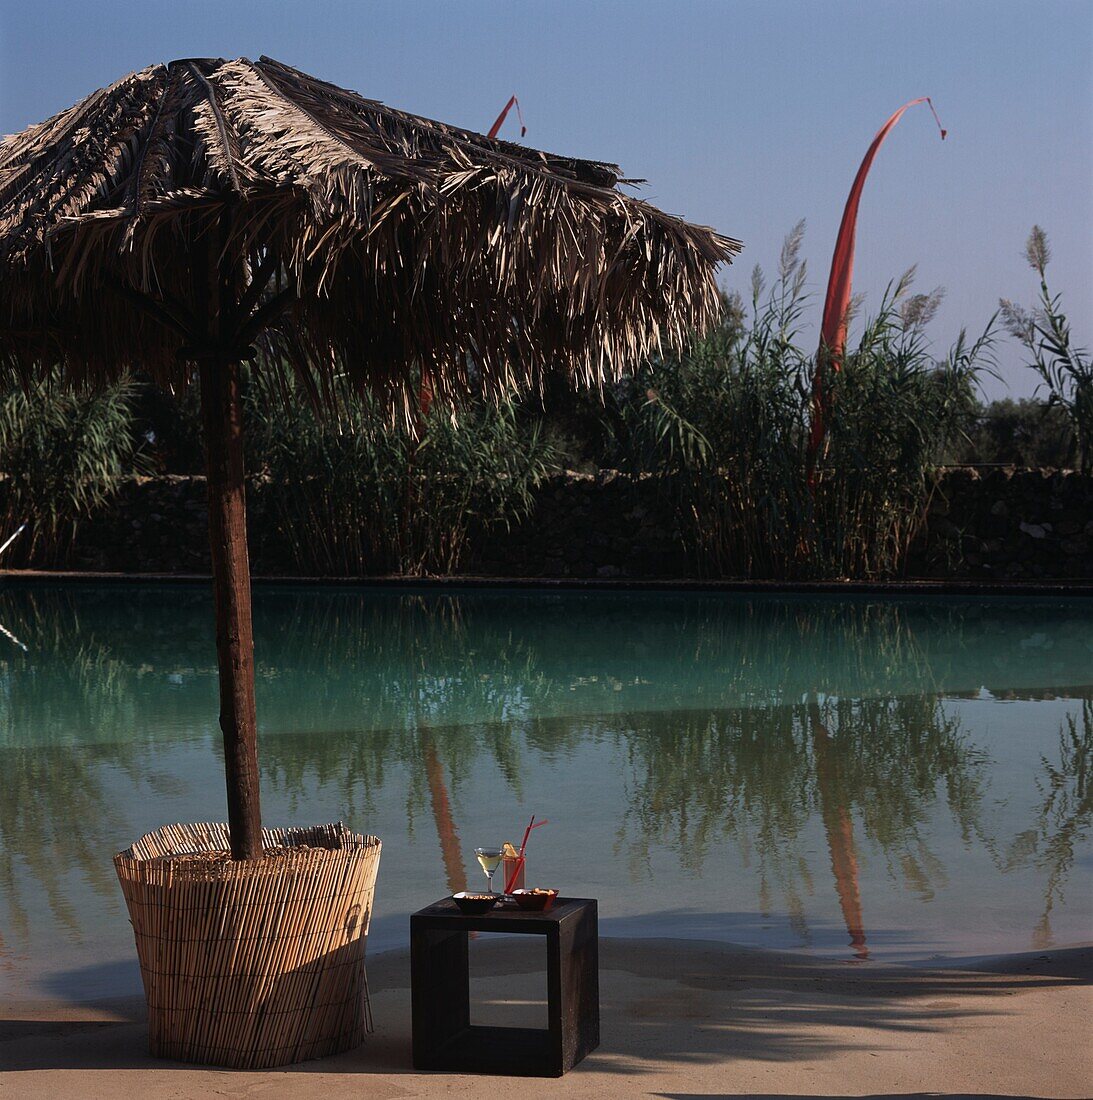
(897, 778)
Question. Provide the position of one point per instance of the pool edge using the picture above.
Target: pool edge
(1079, 587)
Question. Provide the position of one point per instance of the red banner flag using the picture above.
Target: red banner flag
(837, 301)
(513, 102)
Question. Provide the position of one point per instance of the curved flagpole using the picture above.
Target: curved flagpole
(837, 302)
(500, 121)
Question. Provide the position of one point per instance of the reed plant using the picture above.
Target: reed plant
(365, 492)
(730, 420)
(1065, 370)
(63, 456)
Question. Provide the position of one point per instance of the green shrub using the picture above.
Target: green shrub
(1025, 432)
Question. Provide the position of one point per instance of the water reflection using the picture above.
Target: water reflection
(59, 701)
(1065, 816)
(839, 827)
(759, 775)
(710, 724)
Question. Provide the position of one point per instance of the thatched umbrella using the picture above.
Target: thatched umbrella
(208, 212)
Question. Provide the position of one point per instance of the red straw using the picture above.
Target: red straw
(527, 833)
(520, 859)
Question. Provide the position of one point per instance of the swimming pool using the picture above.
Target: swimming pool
(899, 778)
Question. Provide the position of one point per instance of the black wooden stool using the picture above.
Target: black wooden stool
(445, 1039)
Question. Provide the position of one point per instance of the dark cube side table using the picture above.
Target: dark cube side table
(445, 1039)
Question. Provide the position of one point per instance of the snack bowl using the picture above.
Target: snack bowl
(537, 900)
(473, 905)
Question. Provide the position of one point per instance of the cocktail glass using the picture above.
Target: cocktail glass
(490, 860)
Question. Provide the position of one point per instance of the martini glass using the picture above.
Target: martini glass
(489, 859)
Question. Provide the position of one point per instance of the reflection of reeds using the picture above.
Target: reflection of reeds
(400, 661)
(757, 775)
(56, 815)
(56, 819)
(362, 689)
(418, 663)
(71, 714)
(413, 658)
(1064, 818)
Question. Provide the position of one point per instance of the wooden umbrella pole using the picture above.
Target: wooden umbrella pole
(221, 410)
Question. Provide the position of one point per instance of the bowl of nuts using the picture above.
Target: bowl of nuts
(537, 900)
(473, 905)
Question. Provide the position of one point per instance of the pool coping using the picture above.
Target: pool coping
(1078, 587)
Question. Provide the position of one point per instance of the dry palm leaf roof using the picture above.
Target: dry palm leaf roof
(344, 236)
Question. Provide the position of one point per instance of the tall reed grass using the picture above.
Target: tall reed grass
(725, 425)
(1065, 371)
(63, 456)
(730, 420)
(364, 492)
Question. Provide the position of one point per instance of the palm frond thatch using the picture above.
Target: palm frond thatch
(345, 237)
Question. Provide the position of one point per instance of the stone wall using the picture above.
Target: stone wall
(590, 525)
(999, 524)
(1005, 524)
(983, 524)
(156, 525)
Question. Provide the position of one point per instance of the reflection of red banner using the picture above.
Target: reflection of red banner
(513, 102)
(839, 827)
(442, 814)
(837, 302)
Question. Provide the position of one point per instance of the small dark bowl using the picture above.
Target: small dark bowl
(536, 903)
(475, 904)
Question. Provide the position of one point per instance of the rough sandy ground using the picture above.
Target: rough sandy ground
(679, 1020)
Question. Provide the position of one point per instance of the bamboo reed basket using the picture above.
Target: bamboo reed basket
(258, 963)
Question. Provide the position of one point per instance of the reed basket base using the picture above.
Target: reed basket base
(256, 963)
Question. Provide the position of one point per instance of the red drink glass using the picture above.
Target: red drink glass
(508, 865)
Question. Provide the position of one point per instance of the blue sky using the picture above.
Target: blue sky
(745, 116)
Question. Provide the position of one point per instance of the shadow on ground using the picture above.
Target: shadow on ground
(872, 1096)
(662, 1002)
